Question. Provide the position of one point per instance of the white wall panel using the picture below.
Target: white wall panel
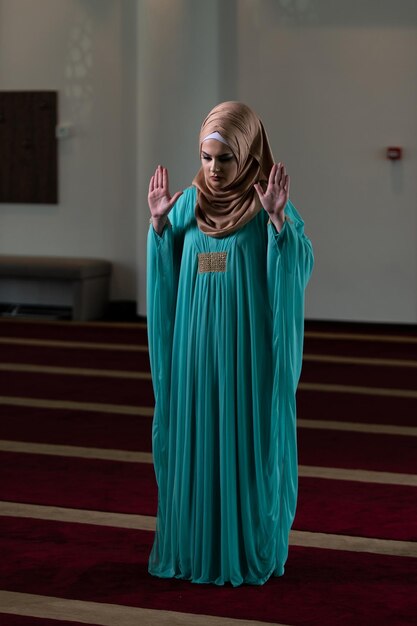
(85, 49)
(336, 84)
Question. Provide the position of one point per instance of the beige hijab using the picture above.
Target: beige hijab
(222, 212)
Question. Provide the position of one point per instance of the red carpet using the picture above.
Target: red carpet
(362, 375)
(110, 565)
(344, 507)
(363, 349)
(321, 587)
(328, 448)
(349, 407)
(357, 509)
(78, 483)
(127, 334)
(332, 448)
(77, 428)
(77, 388)
(81, 357)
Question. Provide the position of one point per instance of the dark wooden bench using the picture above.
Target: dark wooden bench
(81, 284)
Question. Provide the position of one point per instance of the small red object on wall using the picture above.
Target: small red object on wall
(394, 153)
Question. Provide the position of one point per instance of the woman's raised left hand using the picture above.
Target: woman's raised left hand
(276, 195)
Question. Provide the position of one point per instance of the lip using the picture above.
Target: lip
(215, 177)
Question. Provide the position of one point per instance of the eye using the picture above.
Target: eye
(206, 158)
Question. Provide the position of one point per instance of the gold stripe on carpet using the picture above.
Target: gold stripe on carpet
(378, 429)
(148, 523)
(353, 544)
(41, 403)
(313, 334)
(130, 456)
(102, 614)
(77, 516)
(74, 323)
(123, 409)
(314, 358)
(80, 452)
(143, 326)
(54, 343)
(89, 345)
(367, 391)
(354, 360)
(72, 371)
(358, 475)
(77, 371)
(103, 454)
(104, 346)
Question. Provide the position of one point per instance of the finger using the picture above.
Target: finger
(283, 176)
(272, 174)
(165, 182)
(158, 176)
(259, 191)
(152, 184)
(287, 185)
(277, 176)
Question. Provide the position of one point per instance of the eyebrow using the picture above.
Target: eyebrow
(219, 155)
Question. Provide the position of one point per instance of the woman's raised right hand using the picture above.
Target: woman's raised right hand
(159, 199)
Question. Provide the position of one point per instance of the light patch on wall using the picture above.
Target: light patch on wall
(293, 12)
(281, 12)
(78, 68)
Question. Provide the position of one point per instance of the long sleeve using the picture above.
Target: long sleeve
(289, 265)
(164, 254)
(161, 298)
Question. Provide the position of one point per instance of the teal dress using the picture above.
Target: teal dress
(225, 324)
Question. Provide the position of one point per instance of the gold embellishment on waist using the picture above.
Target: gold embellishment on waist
(212, 262)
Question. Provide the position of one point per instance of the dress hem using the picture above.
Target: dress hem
(219, 582)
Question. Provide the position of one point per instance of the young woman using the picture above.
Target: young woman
(228, 263)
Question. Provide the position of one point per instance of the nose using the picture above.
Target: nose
(215, 166)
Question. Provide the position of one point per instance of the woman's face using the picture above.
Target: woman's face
(219, 163)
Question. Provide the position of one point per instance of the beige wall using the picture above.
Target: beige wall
(178, 83)
(85, 50)
(334, 82)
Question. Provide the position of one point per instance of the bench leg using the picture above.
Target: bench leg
(90, 298)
